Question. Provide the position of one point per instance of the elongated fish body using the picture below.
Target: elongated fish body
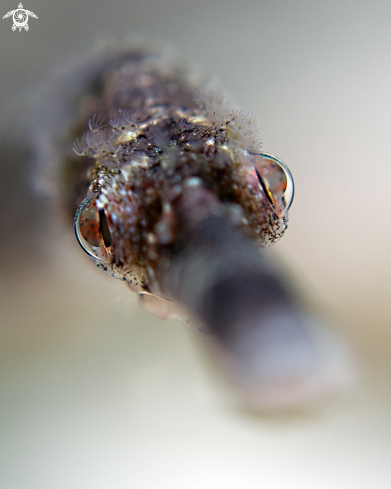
(171, 193)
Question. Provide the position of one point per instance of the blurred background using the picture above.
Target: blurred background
(94, 391)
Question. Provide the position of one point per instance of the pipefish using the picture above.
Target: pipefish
(171, 193)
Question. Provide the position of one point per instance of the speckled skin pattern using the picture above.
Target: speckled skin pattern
(153, 131)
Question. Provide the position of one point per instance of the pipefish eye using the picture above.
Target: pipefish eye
(275, 180)
(92, 229)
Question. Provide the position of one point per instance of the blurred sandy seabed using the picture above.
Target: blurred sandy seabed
(96, 391)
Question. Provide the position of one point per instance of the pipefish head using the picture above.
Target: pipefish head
(129, 219)
(158, 136)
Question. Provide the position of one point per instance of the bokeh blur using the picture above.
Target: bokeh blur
(96, 392)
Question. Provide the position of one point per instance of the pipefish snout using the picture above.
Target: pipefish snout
(172, 194)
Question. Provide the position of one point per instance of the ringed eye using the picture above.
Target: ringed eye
(276, 181)
(92, 229)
